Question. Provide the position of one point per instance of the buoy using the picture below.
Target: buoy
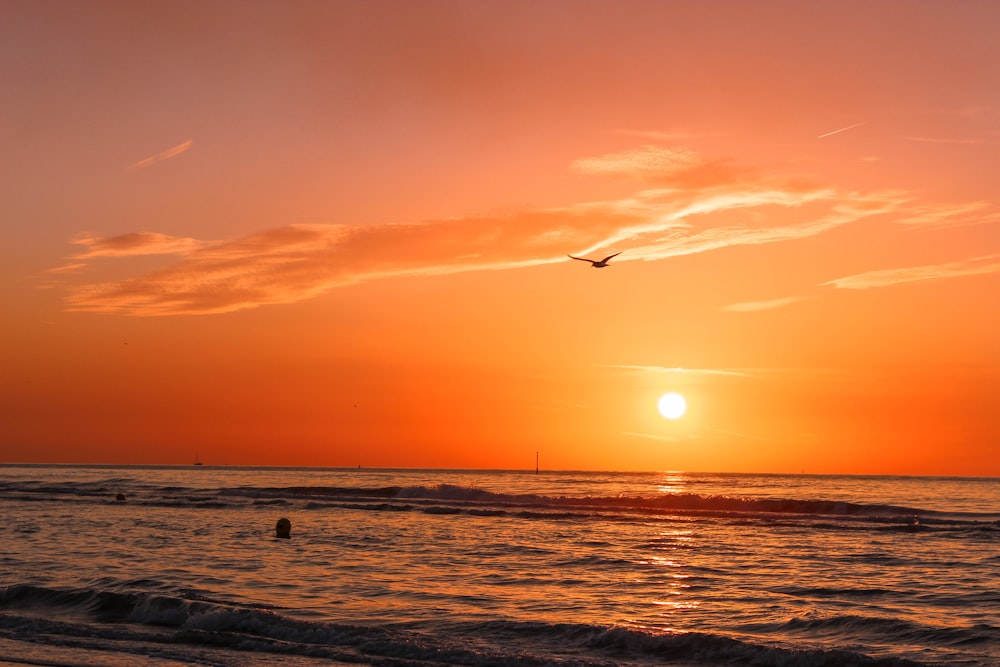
(283, 529)
(120, 497)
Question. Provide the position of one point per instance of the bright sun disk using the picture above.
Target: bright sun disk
(672, 405)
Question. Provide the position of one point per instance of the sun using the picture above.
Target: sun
(672, 405)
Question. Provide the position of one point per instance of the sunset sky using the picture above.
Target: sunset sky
(336, 233)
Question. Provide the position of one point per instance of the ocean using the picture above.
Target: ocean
(432, 568)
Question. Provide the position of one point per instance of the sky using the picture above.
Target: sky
(337, 234)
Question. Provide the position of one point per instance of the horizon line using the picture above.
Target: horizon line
(205, 466)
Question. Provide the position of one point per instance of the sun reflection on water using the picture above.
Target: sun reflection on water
(672, 483)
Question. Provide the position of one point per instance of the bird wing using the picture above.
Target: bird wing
(582, 259)
(610, 256)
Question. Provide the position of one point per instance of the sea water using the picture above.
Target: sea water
(443, 567)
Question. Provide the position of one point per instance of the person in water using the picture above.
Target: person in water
(283, 529)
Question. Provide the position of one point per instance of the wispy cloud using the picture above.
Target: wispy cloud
(684, 371)
(967, 213)
(943, 140)
(164, 155)
(755, 306)
(134, 244)
(826, 210)
(843, 129)
(696, 206)
(675, 167)
(645, 161)
(886, 277)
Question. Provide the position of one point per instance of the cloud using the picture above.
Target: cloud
(160, 157)
(755, 306)
(821, 211)
(944, 140)
(969, 213)
(843, 129)
(68, 268)
(678, 167)
(696, 206)
(648, 160)
(137, 243)
(886, 277)
(685, 371)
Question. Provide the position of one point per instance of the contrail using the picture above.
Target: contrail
(165, 155)
(843, 129)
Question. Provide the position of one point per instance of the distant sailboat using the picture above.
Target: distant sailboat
(197, 461)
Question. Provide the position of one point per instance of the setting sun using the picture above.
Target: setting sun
(672, 405)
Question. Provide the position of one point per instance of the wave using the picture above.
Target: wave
(173, 626)
(455, 499)
(900, 629)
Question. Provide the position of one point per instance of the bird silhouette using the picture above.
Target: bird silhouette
(595, 263)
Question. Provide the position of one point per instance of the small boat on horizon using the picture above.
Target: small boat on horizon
(197, 460)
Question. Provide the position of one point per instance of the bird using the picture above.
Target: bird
(593, 262)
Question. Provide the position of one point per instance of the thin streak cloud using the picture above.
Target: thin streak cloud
(160, 157)
(843, 129)
(944, 140)
(685, 371)
(971, 213)
(887, 277)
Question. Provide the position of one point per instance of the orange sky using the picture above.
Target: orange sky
(335, 233)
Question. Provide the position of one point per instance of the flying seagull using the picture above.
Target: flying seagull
(596, 264)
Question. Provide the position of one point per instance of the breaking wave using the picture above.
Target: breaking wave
(170, 625)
